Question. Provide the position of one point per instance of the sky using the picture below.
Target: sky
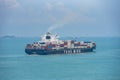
(86, 18)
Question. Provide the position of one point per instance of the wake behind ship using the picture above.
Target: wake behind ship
(50, 44)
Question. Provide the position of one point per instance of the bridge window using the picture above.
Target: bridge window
(48, 37)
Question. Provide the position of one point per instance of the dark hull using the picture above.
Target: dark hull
(60, 51)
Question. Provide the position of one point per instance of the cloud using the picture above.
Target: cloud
(56, 13)
(60, 4)
(60, 23)
(48, 6)
(11, 4)
(70, 16)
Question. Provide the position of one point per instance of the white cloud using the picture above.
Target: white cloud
(65, 20)
(48, 6)
(68, 17)
(60, 4)
(71, 16)
(13, 4)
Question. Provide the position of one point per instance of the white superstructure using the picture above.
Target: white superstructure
(50, 38)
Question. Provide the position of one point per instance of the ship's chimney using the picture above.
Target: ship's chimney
(48, 33)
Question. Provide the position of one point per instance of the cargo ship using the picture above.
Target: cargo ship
(50, 44)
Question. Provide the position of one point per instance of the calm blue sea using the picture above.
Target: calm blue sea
(103, 64)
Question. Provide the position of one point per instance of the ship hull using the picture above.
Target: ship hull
(60, 51)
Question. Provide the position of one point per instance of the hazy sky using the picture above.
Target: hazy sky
(65, 17)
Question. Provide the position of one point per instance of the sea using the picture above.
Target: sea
(102, 64)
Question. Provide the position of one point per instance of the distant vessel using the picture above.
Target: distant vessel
(7, 36)
(50, 44)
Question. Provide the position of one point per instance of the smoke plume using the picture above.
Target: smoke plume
(65, 20)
